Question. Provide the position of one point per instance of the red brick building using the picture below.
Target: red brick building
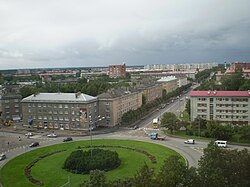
(117, 71)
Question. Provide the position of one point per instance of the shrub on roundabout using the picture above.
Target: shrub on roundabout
(84, 161)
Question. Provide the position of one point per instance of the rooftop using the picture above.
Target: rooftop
(60, 97)
(208, 93)
(167, 79)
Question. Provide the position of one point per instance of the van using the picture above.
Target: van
(189, 141)
(221, 143)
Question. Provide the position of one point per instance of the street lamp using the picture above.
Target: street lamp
(99, 118)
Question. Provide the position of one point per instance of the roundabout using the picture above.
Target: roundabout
(46, 164)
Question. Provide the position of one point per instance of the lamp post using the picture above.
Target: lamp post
(99, 118)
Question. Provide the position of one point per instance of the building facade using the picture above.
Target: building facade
(10, 104)
(60, 110)
(229, 107)
(169, 83)
(114, 103)
(117, 71)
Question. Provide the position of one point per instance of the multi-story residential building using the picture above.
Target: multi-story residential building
(229, 107)
(169, 83)
(117, 71)
(180, 67)
(60, 110)
(115, 102)
(149, 89)
(10, 104)
(182, 80)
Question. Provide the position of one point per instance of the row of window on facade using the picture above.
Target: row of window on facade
(225, 99)
(15, 100)
(231, 117)
(231, 105)
(57, 105)
(57, 111)
(231, 111)
(61, 118)
(8, 106)
(16, 110)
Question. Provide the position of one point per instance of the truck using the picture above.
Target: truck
(155, 136)
(155, 124)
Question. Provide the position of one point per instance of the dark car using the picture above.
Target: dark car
(34, 144)
(67, 139)
(2, 157)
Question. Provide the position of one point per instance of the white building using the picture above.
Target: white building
(230, 107)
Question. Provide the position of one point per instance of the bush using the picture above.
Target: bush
(84, 161)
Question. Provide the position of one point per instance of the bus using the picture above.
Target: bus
(155, 123)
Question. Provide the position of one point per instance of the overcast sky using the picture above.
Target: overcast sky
(67, 33)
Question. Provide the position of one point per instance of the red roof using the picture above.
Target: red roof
(207, 93)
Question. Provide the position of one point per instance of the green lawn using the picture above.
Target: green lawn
(49, 169)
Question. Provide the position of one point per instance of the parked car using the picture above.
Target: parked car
(53, 135)
(189, 141)
(67, 139)
(34, 144)
(29, 134)
(2, 157)
(135, 127)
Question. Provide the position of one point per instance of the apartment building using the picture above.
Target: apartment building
(149, 89)
(117, 71)
(180, 67)
(169, 83)
(60, 110)
(229, 107)
(10, 104)
(115, 102)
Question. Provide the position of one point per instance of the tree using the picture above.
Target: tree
(221, 167)
(97, 178)
(246, 85)
(216, 130)
(170, 121)
(144, 99)
(233, 82)
(188, 107)
(144, 177)
(172, 172)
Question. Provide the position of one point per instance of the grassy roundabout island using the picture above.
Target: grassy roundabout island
(44, 166)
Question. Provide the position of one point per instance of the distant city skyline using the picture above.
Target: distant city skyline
(60, 34)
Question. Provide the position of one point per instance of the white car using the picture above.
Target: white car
(52, 135)
(29, 134)
(189, 141)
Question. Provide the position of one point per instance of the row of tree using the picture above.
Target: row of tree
(134, 115)
(234, 82)
(204, 128)
(217, 167)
